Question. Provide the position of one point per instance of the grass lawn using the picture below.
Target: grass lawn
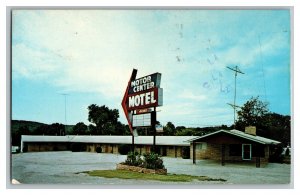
(123, 174)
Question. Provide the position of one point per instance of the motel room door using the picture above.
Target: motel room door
(246, 151)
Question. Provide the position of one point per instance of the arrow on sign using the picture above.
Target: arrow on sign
(125, 98)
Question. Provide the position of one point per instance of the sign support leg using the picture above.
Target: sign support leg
(153, 123)
(132, 146)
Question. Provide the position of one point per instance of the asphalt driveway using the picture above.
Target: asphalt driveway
(64, 168)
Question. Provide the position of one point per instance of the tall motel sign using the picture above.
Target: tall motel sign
(139, 103)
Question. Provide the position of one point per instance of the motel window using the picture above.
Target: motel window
(201, 146)
(235, 150)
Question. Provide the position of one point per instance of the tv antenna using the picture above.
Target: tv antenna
(65, 94)
(234, 106)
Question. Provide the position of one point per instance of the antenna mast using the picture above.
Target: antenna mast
(236, 70)
(65, 95)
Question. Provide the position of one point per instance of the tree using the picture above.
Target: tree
(16, 136)
(80, 129)
(56, 129)
(169, 129)
(279, 127)
(252, 113)
(271, 125)
(105, 119)
(53, 129)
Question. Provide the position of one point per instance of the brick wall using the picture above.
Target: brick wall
(214, 152)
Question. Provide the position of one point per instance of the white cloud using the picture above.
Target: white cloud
(95, 51)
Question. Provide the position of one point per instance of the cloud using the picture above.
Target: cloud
(94, 51)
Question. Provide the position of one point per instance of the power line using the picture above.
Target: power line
(234, 106)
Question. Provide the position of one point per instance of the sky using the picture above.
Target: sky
(65, 60)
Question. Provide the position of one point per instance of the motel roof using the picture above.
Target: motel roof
(140, 140)
(237, 133)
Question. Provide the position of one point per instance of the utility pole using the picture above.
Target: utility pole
(236, 70)
(65, 94)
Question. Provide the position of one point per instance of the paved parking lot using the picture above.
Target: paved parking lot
(63, 168)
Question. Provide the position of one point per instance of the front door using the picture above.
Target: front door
(246, 152)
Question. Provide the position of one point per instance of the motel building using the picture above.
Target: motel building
(225, 146)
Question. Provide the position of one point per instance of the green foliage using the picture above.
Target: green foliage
(271, 125)
(169, 129)
(133, 159)
(277, 127)
(276, 155)
(252, 113)
(80, 129)
(149, 160)
(186, 152)
(99, 149)
(124, 149)
(105, 120)
(152, 161)
(53, 129)
(20, 127)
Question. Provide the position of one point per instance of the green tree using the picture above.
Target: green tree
(105, 119)
(80, 129)
(53, 129)
(271, 125)
(252, 113)
(16, 135)
(169, 129)
(279, 127)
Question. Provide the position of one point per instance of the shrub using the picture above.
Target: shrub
(153, 161)
(133, 159)
(98, 149)
(276, 155)
(186, 152)
(149, 160)
(124, 149)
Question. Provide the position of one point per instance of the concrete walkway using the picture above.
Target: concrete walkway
(64, 167)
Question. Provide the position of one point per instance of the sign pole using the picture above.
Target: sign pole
(132, 147)
(153, 118)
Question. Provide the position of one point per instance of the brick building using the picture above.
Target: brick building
(170, 146)
(232, 146)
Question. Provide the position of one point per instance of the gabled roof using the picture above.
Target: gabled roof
(237, 133)
(140, 140)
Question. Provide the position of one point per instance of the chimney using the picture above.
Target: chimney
(250, 130)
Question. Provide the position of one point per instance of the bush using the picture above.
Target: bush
(276, 155)
(133, 159)
(98, 149)
(124, 149)
(153, 161)
(149, 160)
(186, 152)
